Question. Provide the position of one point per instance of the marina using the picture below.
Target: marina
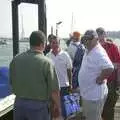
(6, 109)
(6, 104)
(10, 48)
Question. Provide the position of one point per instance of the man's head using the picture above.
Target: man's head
(90, 39)
(76, 36)
(101, 33)
(37, 39)
(50, 37)
(55, 43)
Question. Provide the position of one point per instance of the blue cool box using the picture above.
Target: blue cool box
(72, 104)
(4, 78)
(5, 89)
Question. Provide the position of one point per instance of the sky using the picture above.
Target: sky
(76, 15)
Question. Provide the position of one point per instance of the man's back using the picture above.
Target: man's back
(112, 51)
(72, 49)
(31, 76)
(114, 55)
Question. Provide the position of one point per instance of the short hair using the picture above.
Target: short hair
(90, 34)
(51, 37)
(37, 38)
(100, 31)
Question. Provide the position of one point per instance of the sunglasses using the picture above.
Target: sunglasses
(86, 38)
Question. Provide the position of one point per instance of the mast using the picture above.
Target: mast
(72, 23)
(22, 32)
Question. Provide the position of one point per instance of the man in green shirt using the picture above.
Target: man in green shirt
(34, 82)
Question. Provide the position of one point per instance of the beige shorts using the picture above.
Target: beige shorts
(92, 110)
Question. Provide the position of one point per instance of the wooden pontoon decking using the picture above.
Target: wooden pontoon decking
(6, 104)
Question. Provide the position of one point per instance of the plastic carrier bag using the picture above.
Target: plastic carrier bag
(72, 104)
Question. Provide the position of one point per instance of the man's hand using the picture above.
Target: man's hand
(56, 111)
(116, 65)
(70, 88)
(99, 80)
(104, 75)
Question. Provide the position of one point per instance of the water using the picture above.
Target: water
(6, 51)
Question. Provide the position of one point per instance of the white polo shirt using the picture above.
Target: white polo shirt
(92, 65)
(62, 62)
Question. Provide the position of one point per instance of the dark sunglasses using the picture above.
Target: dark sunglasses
(86, 38)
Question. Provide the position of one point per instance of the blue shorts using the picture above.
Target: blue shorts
(25, 109)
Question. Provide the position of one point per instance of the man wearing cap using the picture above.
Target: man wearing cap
(34, 82)
(74, 44)
(96, 67)
(113, 81)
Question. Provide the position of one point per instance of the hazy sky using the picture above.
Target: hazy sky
(87, 14)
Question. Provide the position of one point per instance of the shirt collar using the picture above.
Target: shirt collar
(35, 51)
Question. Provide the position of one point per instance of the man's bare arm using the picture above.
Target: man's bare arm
(69, 73)
(56, 108)
(104, 75)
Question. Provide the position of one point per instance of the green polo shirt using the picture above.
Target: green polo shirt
(33, 76)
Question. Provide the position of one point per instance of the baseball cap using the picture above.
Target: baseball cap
(76, 34)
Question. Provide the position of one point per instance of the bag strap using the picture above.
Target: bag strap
(75, 45)
(79, 47)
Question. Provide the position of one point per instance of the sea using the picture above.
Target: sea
(6, 51)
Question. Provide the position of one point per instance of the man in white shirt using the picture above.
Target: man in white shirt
(96, 67)
(63, 66)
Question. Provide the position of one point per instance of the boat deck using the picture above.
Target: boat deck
(6, 105)
(117, 112)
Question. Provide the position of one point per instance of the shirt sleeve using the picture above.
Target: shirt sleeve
(68, 61)
(52, 79)
(116, 54)
(12, 73)
(105, 62)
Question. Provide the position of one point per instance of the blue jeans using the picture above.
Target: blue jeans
(26, 109)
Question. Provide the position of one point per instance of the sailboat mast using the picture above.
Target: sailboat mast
(72, 23)
(22, 32)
